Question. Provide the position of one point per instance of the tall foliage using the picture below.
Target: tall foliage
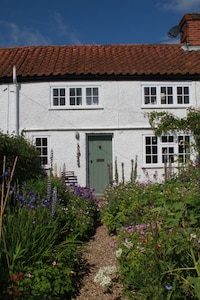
(28, 162)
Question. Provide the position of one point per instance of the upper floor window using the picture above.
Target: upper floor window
(169, 95)
(41, 144)
(92, 96)
(74, 96)
(58, 97)
(167, 149)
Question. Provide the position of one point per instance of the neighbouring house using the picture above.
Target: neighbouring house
(85, 106)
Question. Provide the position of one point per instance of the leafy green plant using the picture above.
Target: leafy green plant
(28, 165)
(44, 253)
(165, 122)
(157, 226)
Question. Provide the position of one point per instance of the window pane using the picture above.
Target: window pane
(62, 101)
(62, 92)
(55, 92)
(187, 139)
(154, 140)
(44, 160)
(153, 100)
(95, 91)
(148, 150)
(179, 99)
(95, 100)
(72, 101)
(79, 92)
(146, 91)
(148, 159)
(44, 142)
(170, 100)
(186, 90)
(186, 99)
(88, 91)
(72, 92)
(79, 100)
(169, 90)
(163, 90)
(179, 90)
(155, 159)
(55, 101)
(44, 151)
(164, 139)
(148, 140)
(154, 150)
(38, 142)
(88, 101)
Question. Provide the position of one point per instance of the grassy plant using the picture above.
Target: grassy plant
(43, 256)
(157, 226)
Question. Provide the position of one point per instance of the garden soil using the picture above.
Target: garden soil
(99, 253)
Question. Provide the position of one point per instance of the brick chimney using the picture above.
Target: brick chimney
(190, 29)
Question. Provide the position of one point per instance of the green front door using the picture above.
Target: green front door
(99, 160)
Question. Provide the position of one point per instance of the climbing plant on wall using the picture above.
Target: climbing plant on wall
(165, 122)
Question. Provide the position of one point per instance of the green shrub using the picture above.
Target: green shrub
(28, 164)
(157, 226)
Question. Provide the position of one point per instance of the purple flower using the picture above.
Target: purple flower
(168, 287)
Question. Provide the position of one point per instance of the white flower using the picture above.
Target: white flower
(193, 236)
(128, 244)
(118, 253)
(102, 276)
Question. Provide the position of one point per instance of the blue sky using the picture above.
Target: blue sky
(63, 22)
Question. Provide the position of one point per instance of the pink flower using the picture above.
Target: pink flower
(54, 263)
(28, 275)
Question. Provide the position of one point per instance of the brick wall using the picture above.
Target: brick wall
(190, 29)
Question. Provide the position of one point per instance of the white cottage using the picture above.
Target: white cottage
(85, 107)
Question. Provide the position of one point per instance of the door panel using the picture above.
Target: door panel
(99, 157)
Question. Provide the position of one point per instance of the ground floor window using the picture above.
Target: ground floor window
(41, 144)
(166, 149)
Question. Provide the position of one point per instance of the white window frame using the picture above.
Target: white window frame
(165, 143)
(84, 97)
(159, 100)
(47, 156)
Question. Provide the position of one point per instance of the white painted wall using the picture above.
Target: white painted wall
(120, 112)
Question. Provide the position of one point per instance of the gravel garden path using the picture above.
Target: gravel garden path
(100, 255)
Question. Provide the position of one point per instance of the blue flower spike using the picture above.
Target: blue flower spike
(168, 287)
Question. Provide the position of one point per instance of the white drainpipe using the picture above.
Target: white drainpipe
(16, 98)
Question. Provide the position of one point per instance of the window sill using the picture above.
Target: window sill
(77, 108)
(153, 166)
(159, 106)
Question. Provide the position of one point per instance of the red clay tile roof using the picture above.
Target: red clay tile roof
(133, 59)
